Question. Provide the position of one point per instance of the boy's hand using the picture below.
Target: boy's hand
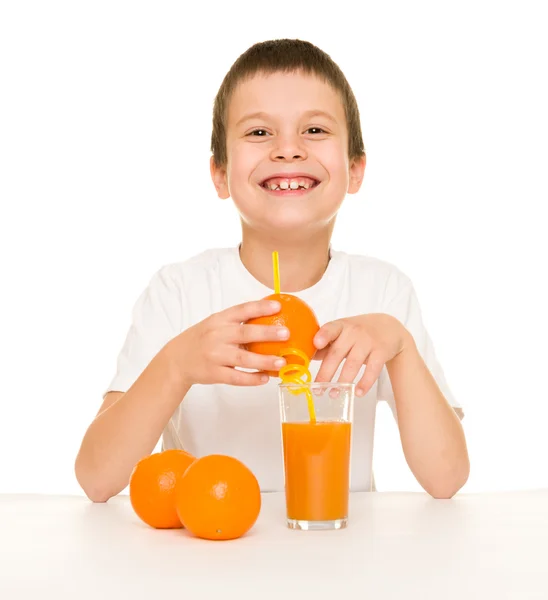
(373, 339)
(209, 351)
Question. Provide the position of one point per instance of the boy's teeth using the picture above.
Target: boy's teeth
(286, 184)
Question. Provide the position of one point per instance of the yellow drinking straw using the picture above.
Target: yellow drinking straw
(276, 268)
(294, 373)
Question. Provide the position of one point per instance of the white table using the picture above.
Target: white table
(403, 546)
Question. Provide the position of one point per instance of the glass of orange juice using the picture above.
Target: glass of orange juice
(316, 450)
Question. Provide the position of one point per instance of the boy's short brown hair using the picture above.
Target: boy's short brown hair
(284, 55)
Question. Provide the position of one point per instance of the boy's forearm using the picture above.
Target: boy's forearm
(432, 436)
(130, 428)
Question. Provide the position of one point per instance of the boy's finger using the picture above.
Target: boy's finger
(374, 364)
(327, 333)
(244, 334)
(251, 310)
(336, 354)
(352, 364)
(251, 360)
(241, 378)
(320, 354)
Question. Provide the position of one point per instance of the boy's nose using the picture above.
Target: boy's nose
(288, 149)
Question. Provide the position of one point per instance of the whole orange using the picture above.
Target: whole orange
(218, 498)
(299, 318)
(152, 487)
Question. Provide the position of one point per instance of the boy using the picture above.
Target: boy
(287, 147)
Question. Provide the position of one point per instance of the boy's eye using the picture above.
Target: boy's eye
(258, 132)
(315, 130)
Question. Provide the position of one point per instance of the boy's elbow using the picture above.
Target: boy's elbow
(443, 493)
(446, 487)
(93, 488)
(97, 495)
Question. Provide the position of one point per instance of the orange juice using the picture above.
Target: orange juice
(317, 464)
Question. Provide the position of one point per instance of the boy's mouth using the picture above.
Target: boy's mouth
(289, 185)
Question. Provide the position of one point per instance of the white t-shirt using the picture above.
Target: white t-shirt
(244, 422)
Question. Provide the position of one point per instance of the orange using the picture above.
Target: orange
(152, 487)
(299, 318)
(218, 498)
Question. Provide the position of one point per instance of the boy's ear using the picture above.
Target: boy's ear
(357, 169)
(218, 176)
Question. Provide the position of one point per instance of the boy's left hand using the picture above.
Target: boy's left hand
(373, 339)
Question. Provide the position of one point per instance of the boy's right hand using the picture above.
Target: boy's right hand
(209, 351)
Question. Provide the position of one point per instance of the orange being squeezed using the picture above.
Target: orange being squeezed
(299, 349)
(317, 464)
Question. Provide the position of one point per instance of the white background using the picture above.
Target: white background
(105, 115)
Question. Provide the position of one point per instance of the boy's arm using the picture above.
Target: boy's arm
(430, 430)
(431, 433)
(128, 426)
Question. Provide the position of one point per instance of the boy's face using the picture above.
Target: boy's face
(286, 130)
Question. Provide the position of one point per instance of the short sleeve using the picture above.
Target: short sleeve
(403, 304)
(156, 319)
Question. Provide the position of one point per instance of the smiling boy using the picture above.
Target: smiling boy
(287, 148)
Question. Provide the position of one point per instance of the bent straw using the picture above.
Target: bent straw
(292, 373)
